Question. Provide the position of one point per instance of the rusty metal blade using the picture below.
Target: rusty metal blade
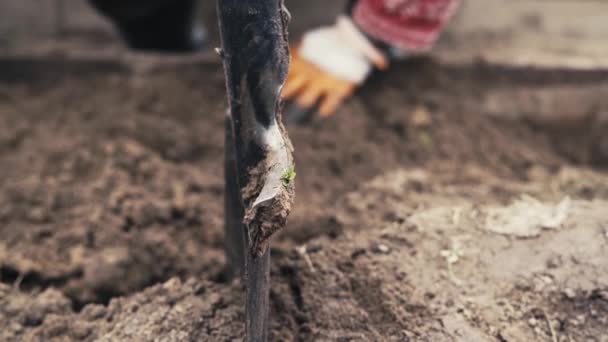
(259, 156)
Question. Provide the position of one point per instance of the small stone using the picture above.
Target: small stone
(421, 118)
(569, 293)
(547, 280)
(381, 249)
(173, 283)
(532, 322)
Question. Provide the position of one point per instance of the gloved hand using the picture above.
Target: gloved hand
(327, 67)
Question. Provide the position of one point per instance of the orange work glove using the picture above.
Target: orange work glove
(328, 65)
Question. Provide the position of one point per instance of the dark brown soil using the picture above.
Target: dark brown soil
(111, 182)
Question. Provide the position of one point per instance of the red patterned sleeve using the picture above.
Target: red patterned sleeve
(410, 25)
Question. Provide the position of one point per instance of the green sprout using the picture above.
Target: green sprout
(288, 177)
(425, 138)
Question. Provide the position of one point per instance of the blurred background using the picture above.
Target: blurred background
(553, 32)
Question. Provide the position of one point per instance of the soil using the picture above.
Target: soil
(111, 206)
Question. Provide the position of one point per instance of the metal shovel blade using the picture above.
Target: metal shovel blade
(259, 162)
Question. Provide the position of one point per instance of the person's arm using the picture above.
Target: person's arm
(331, 62)
(410, 26)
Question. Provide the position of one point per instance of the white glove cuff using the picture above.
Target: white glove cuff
(341, 50)
(360, 42)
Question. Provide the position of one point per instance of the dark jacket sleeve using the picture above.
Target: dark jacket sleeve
(163, 25)
(349, 6)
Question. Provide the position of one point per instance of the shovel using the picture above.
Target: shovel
(259, 167)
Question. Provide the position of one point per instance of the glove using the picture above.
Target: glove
(328, 66)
